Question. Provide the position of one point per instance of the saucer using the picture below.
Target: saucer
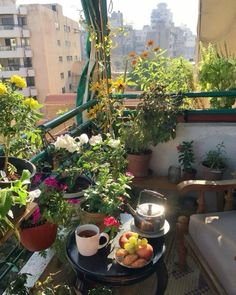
(161, 233)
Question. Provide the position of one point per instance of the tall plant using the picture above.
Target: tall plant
(153, 68)
(19, 117)
(217, 73)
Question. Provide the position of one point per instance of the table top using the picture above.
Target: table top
(102, 266)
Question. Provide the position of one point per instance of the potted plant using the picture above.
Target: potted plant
(39, 232)
(186, 159)
(214, 163)
(105, 197)
(19, 116)
(156, 109)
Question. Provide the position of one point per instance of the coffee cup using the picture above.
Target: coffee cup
(87, 239)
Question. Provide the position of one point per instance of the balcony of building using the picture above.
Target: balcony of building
(15, 51)
(10, 31)
(210, 268)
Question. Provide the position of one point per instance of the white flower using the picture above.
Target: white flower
(114, 143)
(83, 138)
(95, 139)
(66, 142)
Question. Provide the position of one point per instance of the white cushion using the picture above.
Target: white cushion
(215, 236)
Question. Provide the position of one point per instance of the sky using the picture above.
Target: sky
(136, 12)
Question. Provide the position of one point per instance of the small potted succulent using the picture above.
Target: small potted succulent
(186, 159)
(214, 163)
(19, 117)
(39, 231)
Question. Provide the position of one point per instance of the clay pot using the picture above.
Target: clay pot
(138, 165)
(38, 238)
(90, 217)
(212, 174)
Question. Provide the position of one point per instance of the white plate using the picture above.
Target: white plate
(145, 235)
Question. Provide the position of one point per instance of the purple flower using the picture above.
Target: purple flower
(129, 174)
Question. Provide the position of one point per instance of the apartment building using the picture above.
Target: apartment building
(39, 43)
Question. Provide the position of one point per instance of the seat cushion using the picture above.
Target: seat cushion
(215, 236)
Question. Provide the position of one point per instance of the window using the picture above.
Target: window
(69, 58)
(25, 41)
(6, 21)
(70, 87)
(59, 42)
(66, 28)
(57, 26)
(27, 62)
(63, 90)
(54, 7)
(30, 81)
(60, 58)
(22, 20)
(69, 73)
(67, 43)
(76, 57)
(62, 75)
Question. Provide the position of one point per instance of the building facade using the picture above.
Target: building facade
(40, 44)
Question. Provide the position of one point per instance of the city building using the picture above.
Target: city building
(40, 44)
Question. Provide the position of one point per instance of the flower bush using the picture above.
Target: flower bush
(52, 206)
(107, 194)
(87, 156)
(19, 117)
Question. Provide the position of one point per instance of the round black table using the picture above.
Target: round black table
(102, 267)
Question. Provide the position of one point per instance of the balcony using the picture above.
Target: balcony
(206, 128)
(12, 51)
(8, 71)
(10, 31)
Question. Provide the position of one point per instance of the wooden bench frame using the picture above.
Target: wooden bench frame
(185, 241)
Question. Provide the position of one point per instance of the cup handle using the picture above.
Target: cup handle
(105, 235)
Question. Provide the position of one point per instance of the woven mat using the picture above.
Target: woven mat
(187, 282)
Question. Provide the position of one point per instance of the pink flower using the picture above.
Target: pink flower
(129, 174)
(74, 201)
(51, 181)
(36, 215)
(111, 221)
(63, 187)
(37, 178)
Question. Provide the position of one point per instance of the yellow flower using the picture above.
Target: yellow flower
(3, 89)
(32, 103)
(18, 81)
(119, 85)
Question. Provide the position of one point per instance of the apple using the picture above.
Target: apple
(125, 238)
(144, 251)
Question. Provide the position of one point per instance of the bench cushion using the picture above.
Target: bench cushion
(215, 236)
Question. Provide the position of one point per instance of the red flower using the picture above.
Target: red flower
(51, 181)
(179, 147)
(36, 215)
(111, 221)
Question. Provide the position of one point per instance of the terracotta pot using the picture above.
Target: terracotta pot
(38, 238)
(138, 164)
(212, 174)
(90, 217)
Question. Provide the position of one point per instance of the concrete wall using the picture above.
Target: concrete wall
(205, 136)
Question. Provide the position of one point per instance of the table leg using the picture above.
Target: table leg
(162, 277)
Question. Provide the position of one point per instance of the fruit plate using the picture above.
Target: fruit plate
(119, 260)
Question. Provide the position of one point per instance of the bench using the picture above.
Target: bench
(210, 237)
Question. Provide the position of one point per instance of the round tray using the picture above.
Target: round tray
(146, 235)
(119, 261)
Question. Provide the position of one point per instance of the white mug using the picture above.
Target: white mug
(87, 239)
